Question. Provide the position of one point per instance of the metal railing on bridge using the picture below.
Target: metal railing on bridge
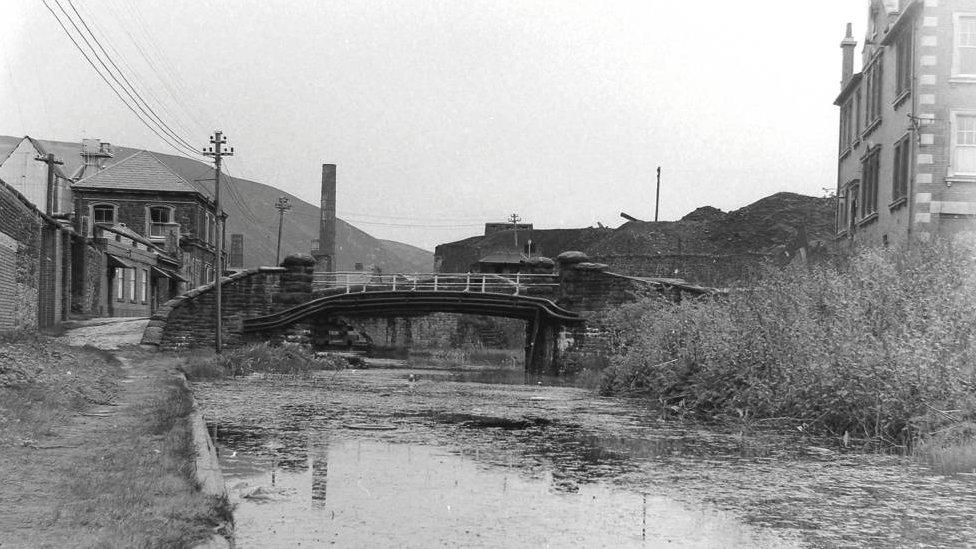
(513, 284)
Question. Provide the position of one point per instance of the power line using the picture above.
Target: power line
(136, 74)
(407, 225)
(102, 76)
(133, 94)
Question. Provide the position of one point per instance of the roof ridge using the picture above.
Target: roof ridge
(110, 167)
(170, 170)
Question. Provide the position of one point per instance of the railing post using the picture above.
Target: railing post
(517, 285)
(394, 282)
(415, 283)
(467, 284)
(435, 282)
(348, 284)
(484, 282)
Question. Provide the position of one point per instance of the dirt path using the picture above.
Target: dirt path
(76, 485)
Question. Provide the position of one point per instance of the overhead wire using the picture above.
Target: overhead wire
(84, 54)
(125, 84)
(135, 74)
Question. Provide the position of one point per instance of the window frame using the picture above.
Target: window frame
(954, 144)
(956, 47)
(873, 93)
(132, 284)
(904, 64)
(151, 225)
(870, 175)
(901, 170)
(120, 284)
(101, 205)
(144, 287)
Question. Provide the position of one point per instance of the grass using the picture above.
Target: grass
(144, 492)
(287, 359)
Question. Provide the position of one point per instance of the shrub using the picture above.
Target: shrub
(870, 345)
(261, 358)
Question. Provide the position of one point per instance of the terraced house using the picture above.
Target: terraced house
(907, 151)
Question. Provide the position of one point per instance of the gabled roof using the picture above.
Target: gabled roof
(142, 171)
(41, 151)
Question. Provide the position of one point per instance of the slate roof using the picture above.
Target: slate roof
(142, 171)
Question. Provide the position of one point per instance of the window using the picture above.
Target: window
(144, 286)
(210, 231)
(869, 183)
(964, 144)
(846, 126)
(904, 50)
(902, 169)
(120, 284)
(873, 93)
(857, 114)
(964, 51)
(131, 283)
(160, 218)
(103, 213)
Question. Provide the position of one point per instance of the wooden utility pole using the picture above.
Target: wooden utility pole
(282, 206)
(515, 221)
(217, 151)
(50, 206)
(657, 195)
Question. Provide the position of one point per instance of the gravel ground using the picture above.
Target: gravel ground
(105, 333)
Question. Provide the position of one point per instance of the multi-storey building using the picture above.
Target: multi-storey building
(157, 229)
(907, 154)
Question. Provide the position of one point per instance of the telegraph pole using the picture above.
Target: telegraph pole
(51, 203)
(657, 196)
(282, 206)
(515, 221)
(217, 151)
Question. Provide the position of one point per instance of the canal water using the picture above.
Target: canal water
(422, 458)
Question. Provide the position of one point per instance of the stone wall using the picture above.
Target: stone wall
(187, 321)
(31, 244)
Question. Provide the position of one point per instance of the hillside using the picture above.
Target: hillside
(706, 246)
(250, 209)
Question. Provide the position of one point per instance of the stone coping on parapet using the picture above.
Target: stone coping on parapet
(154, 330)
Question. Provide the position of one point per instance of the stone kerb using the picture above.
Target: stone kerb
(187, 320)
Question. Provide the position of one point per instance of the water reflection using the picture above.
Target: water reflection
(357, 492)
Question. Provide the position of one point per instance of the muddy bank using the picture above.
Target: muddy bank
(508, 458)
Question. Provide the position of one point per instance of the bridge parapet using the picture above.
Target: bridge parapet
(513, 284)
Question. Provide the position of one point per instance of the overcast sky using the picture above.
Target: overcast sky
(442, 115)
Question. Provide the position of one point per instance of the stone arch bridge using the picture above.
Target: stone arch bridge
(562, 311)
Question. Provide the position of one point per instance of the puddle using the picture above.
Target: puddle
(492, 376)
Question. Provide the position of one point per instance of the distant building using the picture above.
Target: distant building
(492, 228)
(907, 152)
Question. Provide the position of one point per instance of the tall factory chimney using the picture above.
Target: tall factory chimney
(325, 259)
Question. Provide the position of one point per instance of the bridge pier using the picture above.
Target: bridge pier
(541, 350)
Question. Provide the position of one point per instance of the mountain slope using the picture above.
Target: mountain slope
(250, 209)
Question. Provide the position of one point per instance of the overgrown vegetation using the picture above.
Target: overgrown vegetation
(260, 358)
(879, 346)
(468, 355)
(42, 383)
(89, 466)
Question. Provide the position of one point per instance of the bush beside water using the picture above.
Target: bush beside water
(879, 346)
(261, 358)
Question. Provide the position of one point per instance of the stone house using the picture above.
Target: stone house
(907, 147)
(153, 212)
